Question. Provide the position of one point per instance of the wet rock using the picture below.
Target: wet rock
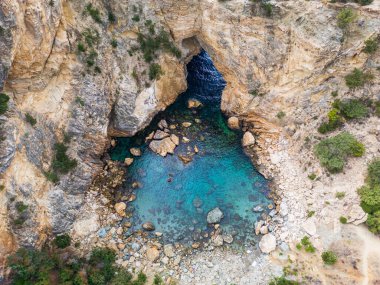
(214, 216)
(196, 245)
(159, 135)
(172, 127)
(185, 159)
(152, 254)
(158, 234)
(267, 243)
(258, 226)
(148, 226)
(162, 147)
(198, 121)
(135, 246)
(193, 103)
(258, 208)
(169, 250)
(174, 139)
(120, 208)
(228, 238)
(186, 124)
(128, 161)
(196, 150)
(135, 151)
(248, 139)
(233, 123)
(217, 240)
(149, 137)
(113, 143)
(185, 140)
(162, 124)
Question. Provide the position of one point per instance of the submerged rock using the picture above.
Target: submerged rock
(128, 161)
(193, 103)
(148, 226)
(233, 123)
(163, 147)
(197, 202)
(186, 124)
(214, 216)
(185, 159)
(267, 243)
(174, 139)
(185, 139)
(162, 124)
(159, 135)
(248, 139)
(217, 240)
(135, 151)
(228, 238)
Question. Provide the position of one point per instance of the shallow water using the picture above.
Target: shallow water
(220, 175)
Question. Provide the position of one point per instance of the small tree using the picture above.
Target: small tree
(345, 17)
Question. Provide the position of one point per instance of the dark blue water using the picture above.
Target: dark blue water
(220, 175)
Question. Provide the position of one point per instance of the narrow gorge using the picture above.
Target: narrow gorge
(189, 142)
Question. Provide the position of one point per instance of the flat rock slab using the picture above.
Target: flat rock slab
(162, 147)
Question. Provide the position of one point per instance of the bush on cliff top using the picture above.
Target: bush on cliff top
(333, 152)
(357, 78)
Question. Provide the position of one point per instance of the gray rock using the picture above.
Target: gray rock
(169, 250)
(214, 216)
(267, 243)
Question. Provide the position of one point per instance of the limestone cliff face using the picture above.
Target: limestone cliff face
(293, 59)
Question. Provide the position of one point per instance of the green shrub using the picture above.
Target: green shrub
(352, 108)
(343, 220)
(333, 152)
(30, 119)
(373, 222)
(136, 18)
(377, 108)
(370, 46)
(62, 241)
(373, 177)
(4, 98)
(91, 58)
(308, 246)
(155, 71)
(329, 257)
(114, 43)
(61, 162)
(312, 176)
(21, 207)
(268, 8)
(79, 100)
(91, 37)
(335, 121)
(340, 195)
(357, 78)
(345, 17)
(370, 198)
(111, 17)
(94, 13)
(310, 213)
(51, 176)
(30, 266)
(81, 47)
(158, 280)
(280, 115)
(364, 2)
(334, 94)
(282, 281)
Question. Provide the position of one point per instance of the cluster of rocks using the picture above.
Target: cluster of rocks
(162, 141)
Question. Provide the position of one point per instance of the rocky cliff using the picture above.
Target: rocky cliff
(83, 73)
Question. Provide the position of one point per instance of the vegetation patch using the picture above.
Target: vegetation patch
(370, 46)
(329, 257)
(30, 119)
(306, 244)
(280, 115)
(62, 241)
(357, 78)
(282, 281)
(343, 220)
(333, 152)
(370, 196)
(4, 98)
(93, 12)
(345, 17)
(30, 266)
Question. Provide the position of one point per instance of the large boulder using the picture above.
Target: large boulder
(248, 139)
(120, 209)
(148, 226)
(267, 243)
(233, 123)
(214, 216)
(152, 254)
(162, 147)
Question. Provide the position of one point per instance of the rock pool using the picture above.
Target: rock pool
(175, 196)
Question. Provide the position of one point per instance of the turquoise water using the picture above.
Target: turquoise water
(220, 175)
